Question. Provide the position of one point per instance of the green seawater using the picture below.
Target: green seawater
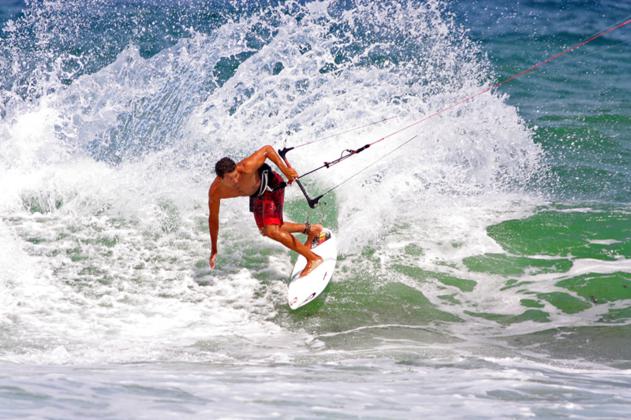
(578, 234)
(538, 264)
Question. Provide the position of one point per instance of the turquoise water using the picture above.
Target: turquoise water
(485, 267)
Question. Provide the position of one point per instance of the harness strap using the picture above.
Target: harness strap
(268, 181)
(264, 181)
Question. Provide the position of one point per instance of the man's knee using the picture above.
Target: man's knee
(271, 231)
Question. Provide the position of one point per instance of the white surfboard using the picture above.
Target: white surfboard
(303, 290)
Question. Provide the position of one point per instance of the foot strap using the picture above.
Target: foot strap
(324, 236)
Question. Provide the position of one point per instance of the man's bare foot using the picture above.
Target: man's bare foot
(311, 265)
(314, 232)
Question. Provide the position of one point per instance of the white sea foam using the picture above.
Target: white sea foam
(106, 178)
(104, 242)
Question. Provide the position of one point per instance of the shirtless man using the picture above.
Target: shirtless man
(253, 178)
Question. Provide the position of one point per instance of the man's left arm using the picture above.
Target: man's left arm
(268, 152)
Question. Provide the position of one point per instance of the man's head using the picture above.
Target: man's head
(226, 169)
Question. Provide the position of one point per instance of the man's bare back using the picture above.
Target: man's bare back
(242, 179)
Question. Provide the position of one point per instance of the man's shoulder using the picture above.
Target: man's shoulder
(214, 191)
(248, 166)
(218, 191)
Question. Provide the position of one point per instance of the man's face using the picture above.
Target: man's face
(231, 179)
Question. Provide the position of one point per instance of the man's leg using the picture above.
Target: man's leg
(291, 227)
(276, 233)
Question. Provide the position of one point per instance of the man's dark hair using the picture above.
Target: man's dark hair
(224, 166)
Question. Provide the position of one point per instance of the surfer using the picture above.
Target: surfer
(254, 178)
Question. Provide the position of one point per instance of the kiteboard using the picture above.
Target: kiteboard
(303, 290)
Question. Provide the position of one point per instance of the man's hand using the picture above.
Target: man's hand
(211, 261)
(291, 175)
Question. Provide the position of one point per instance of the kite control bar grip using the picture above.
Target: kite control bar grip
(282, 152)
(313, 202)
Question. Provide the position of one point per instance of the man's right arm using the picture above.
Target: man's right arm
(213, 221)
